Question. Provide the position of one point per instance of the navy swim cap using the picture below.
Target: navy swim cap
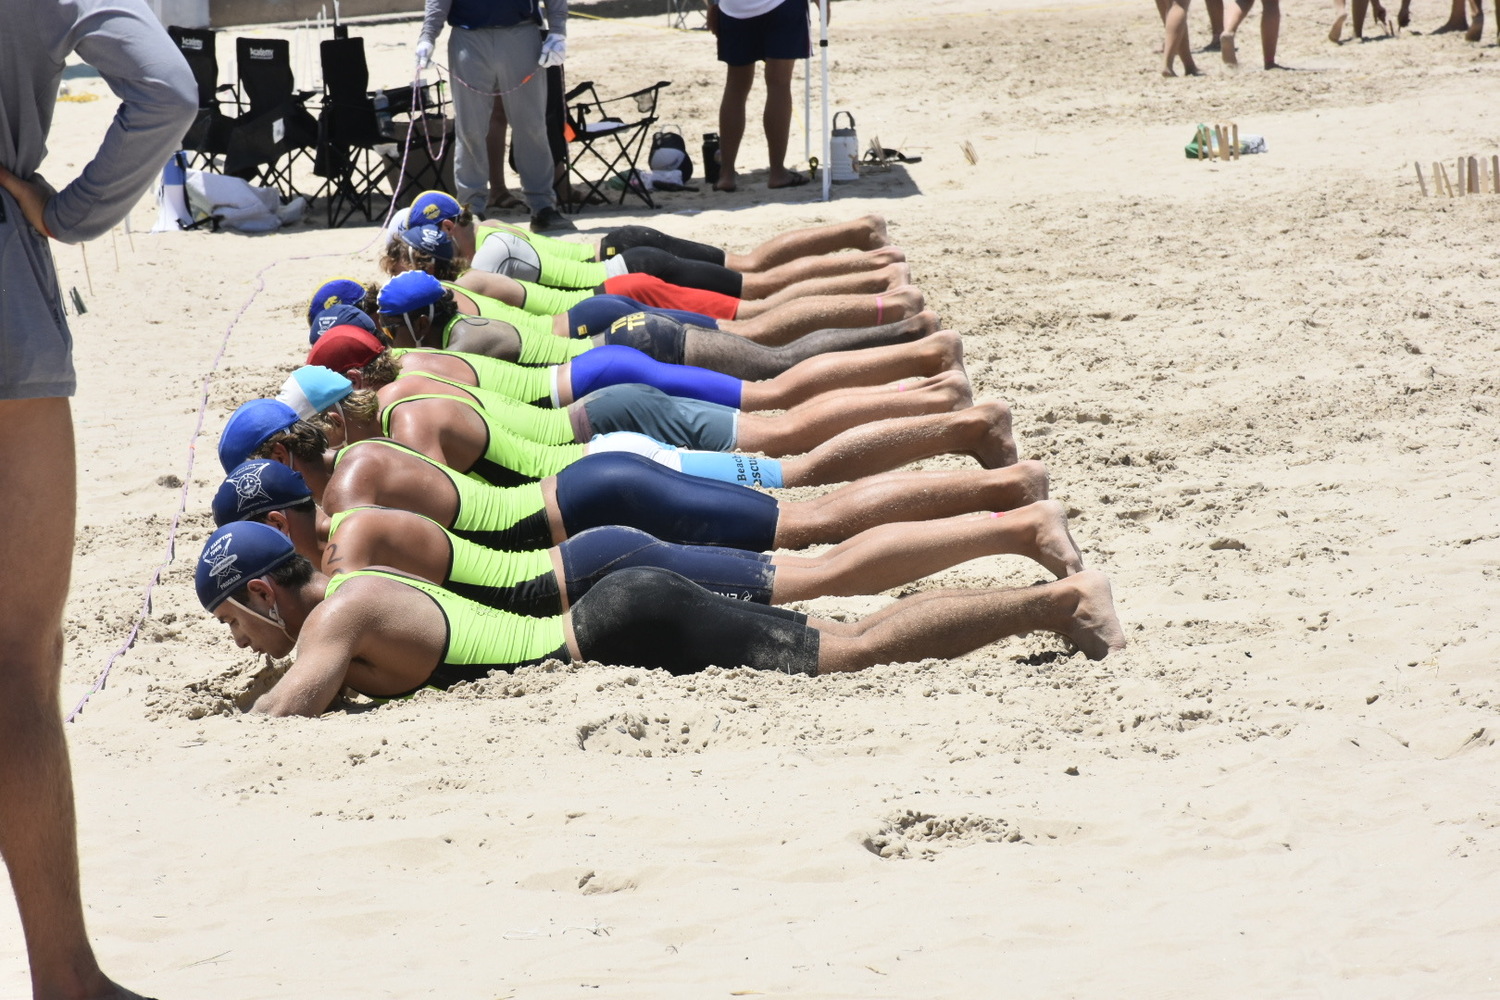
(338, 315)
(339, 291)
(257, 487)
(236, 554)
(430, 240)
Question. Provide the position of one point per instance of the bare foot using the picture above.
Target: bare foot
(997, 445)
(877, 236)
(948, 348)
(886, 255)
(1167, 73)
(1403, 16)
(1094, 627)
(901, 303)
(1055, 548)
(728, 181)
(1336, 33)
(898, 274)
(1226, 50)
(1027, 484)
(957, 388)
(1461, 24)
(1476, 28)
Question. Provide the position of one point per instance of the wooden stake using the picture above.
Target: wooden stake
(1442, 171)
(1202, 142)
(1234, 140)
(114, 241)
(1474, 185)
(1495, 172)
(1458, 175)
(1420, 180)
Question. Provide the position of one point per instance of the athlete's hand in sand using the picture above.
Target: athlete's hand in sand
(32, 196)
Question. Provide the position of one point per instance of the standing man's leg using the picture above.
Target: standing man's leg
(37, 825)
(471, 54)
(1270, 31)
(777, 120)
(737, 83)
(517, 50)
(494, 147)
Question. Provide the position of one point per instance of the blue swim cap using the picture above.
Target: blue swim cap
(339, 291)
(408, 292)
(432, 207)
(430, 240)
(250, 426)
(234, 555)
(338, 315)
(257, 487)
(312, 389)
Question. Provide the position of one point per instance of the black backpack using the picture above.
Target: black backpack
(672, 140)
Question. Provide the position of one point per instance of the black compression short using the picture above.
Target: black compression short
(655, 618)
(619, 240)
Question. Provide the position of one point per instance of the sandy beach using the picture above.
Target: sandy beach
(1266, 389)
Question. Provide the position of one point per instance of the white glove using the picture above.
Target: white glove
(424, 54)
(554, 51)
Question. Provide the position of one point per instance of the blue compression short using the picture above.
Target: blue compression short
(594, 314)
(616, 364)
(590, 555)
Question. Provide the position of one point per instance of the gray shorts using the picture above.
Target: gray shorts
(683, 423)
(36, 349)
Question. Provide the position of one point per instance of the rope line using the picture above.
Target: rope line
(187, 479)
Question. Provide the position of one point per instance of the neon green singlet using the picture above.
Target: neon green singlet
(473, 563)
(565, 249)
(508, 458)
(542, 301)
(519, 382)
(555, 270)
(537, 348)
(480, 639)
(512, 517)
(534, 423)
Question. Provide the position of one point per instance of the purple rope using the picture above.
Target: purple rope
(187, 478)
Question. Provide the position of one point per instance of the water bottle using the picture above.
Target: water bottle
(711, 157)
(382, 114)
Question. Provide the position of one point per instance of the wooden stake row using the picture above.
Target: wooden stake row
(1222, 142)
(1474, 175)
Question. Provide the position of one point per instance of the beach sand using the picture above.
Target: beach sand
(1265, 389)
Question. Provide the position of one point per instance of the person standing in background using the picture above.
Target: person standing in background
(38, 492)
(750, 31)
(496, 50)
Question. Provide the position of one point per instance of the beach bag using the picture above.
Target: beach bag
(669, 152)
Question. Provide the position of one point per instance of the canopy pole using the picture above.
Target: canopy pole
(827, 133)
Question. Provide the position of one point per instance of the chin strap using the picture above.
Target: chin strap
(274, 618)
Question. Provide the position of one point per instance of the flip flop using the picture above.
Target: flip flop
(797, 180)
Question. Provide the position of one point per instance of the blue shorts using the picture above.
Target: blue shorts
(591, 555)
(780, 33)
(36, 349)
(682, 423)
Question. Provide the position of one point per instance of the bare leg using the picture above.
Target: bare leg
(737, 83)
(906, 496)
(1215, 10)
(743, 358)
(1236, 17)
(494, 143)
(890, 275)
(764, 284)
(868, 232)
(810, 424)
(982, 431)
(786, 322)
(1175, 43)
(1458, 19)
(950, 623)
(895, 554)
(1403, 16)
(1270, 31)
(777, 118)
(38, 835)
(940, 352)
(1476, 21)
(1336, 30)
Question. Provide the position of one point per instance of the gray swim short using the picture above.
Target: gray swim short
(36, 349)
(685, 423)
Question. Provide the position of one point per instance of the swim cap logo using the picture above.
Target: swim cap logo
(248, 485)
(431, 210)
(222, 565)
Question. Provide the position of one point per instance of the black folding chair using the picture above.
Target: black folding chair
(208, 137)
(423, 118)
(348, 132)
(609, 137)
(275, 129)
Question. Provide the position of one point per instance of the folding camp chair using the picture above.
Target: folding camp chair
(687, 15)
(602, 138)
(421, 116)
(275, 130)
(348, 132)
(208, 137)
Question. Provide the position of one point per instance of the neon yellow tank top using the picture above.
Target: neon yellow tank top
(480, 639)
(554, 270)
(519, 382)
(508, 458)
(473, 563)
(534, 423)
(537, 348)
